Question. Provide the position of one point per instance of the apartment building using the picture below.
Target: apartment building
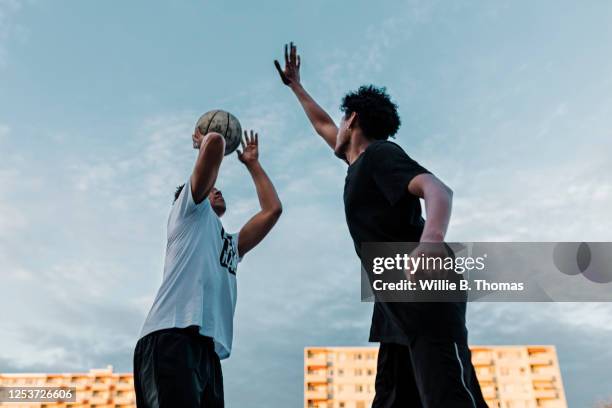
(99, 388)
(510, 376)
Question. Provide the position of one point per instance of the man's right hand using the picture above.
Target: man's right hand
(291, 74)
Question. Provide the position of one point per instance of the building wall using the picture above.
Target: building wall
(510, 376)
(341, 377)
(99, 388)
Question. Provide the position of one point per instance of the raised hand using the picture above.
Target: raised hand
(291, 74)
(250, 148)
(261, 223)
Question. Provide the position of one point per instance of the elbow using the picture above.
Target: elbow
(446, 190)
(449, 196)
(449, 192)
(215, 142)
(277, 211)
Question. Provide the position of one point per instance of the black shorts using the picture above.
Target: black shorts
(177, 368)
(426, 374)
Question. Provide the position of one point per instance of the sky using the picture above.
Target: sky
(508, 102)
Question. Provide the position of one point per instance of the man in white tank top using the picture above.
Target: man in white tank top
(190, 325)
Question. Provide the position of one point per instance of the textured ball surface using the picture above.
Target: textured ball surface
(222, 122)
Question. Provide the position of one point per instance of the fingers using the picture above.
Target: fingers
(250, 138)
(292, 55)
(278, 68)
(286, 56)
(281, 73)
(240, 155)
(298, 62)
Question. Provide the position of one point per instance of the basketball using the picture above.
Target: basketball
(222, 122)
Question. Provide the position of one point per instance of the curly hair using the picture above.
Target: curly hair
(177, 193)
(376, 112)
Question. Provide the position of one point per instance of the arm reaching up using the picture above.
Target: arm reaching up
(261, 223)
(211, 149)
(321, 121)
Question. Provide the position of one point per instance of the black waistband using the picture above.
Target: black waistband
(190, 331)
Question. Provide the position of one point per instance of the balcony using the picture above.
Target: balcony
(316, 377)
(546, 394)
(99, 399)
(489, 391)
(100, 387)
(318, 360)
(485, 376)
(540, 359)
(124, 400)
(316, 394)
(543, 376)
(482, 360)
(124, 386)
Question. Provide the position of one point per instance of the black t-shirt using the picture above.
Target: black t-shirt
(379, 208)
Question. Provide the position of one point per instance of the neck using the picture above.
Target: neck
(356, 147)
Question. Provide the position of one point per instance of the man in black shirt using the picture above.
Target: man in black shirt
(424, 359)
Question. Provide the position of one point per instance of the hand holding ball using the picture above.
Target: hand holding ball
(224, 123)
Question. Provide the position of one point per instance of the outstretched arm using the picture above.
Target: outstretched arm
(321, 121)
(261, 223)
(211, 149)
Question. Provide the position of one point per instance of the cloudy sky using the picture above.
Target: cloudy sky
(509, 102)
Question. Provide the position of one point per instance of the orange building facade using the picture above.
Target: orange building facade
(509, 376)
(99, 388)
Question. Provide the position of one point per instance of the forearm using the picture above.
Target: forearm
(323, 124)
(438, 206)
(266, 193)
(207, 165)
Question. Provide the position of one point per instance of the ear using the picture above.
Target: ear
(351, 120)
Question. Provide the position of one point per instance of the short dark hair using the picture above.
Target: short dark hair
(177, 193)
(376, 112)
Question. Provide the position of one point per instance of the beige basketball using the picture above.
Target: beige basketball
(224, 123)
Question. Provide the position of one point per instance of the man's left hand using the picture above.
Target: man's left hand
(250, 149)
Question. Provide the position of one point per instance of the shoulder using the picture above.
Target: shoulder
(384, 147)
(185, 205)
(384, 150)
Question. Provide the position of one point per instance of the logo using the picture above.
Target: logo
(228, 253)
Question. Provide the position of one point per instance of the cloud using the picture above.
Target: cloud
(82, 230)
(578, 330)
(8, 28)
